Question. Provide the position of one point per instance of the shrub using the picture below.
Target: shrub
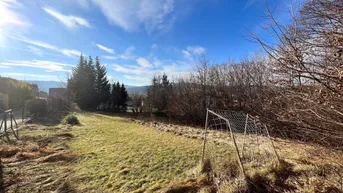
(37, 106)
(71, 119)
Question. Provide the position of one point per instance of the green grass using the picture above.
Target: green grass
(117, 155)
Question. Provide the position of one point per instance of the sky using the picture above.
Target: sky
(134, 39)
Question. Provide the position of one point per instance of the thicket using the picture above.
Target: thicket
(37, 107)
(18, 91)
(296, 87)
(89, 87)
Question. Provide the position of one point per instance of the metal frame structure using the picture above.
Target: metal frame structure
(233, 124)
(8, 115)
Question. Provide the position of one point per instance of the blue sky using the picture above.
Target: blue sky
(135, 39)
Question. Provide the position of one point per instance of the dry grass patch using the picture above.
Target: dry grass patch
(118, 155)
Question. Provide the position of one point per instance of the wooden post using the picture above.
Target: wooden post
(22, 115)
(271, 141)
(15, 133)
(5, 131)
(205, 134)
(2, 122)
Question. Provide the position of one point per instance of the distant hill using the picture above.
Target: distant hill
(136, 89)
(45, 85)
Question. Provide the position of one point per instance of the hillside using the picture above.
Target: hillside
(45, 85)
(113, 154)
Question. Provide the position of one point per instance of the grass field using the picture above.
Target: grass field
(112, 154)
(119, 155)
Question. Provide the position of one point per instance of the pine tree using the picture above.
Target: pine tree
(90, 84)
(115, 96)
(123, 97)
(165, 90)
(81, 83)
(102, 85)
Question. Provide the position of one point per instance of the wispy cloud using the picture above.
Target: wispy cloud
(106, 49)
(67, 52)
(70, 21)
(143, 62)
(126, 55)
(131, 14)
(71, 52)
(143, 80)
(43, 64)
(249, 3)
(193, 51)
(9, 14)
(110, 57)
(28, 75)
(35, 50)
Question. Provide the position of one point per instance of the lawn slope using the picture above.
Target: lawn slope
(117, 155)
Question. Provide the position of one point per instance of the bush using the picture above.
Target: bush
(37, 107)
(71, 119)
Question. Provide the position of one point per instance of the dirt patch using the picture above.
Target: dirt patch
(58, 156)
(37, 163)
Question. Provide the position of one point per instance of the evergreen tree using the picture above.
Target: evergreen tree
(81, 83)
(115, 95)
(123, 97)
(90, 84)
(165, 90)
(158, 93)
(102, 85)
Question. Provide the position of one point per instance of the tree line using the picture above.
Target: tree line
(18, 92)
(90, 88)
(296, 86)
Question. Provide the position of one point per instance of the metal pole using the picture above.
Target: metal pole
(276, 154)
(205, 134)
(245, 131)
(234, 141)
(237, 151)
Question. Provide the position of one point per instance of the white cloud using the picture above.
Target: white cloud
(110, 57)
(69, 21)
(106, 49)
(67, 52)
(193, 51)
(128, 53)
(131, 14)
(24, 76)
(71, 52)
(43, 64)
(35, 50)
(157, 62)
(128, 69)
(143, 80)
(196, 49)
(186, 53)
(8, 14)
(143, 62)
